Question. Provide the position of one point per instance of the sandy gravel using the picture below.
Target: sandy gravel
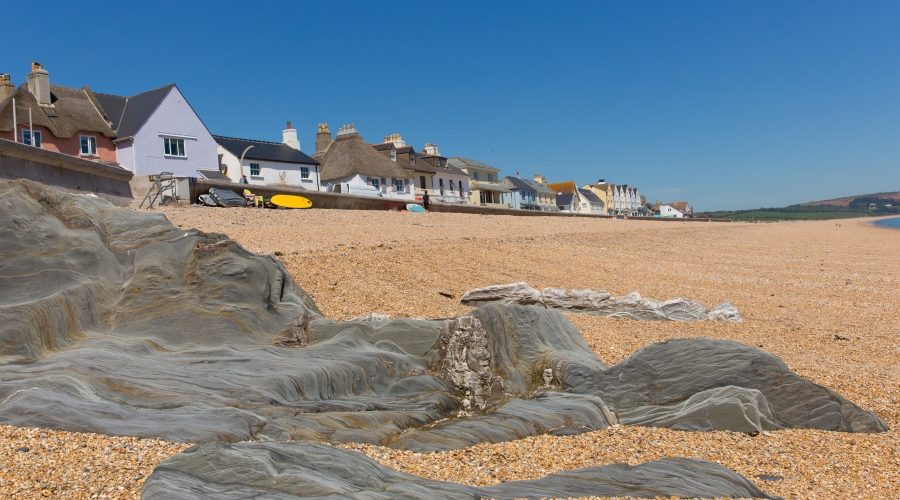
(802, 287)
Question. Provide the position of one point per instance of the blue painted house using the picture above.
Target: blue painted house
(158, 131)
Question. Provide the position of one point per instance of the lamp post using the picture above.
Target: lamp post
(248, 148)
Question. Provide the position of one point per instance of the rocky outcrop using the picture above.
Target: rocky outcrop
(295, 470)
(631, 306)
(114, 321)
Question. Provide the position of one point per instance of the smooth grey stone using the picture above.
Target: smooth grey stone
(306, 470)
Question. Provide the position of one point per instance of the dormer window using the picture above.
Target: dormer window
(393, 154)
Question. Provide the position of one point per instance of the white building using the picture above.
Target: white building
(670, 212)
(267, 163)
(626, 200)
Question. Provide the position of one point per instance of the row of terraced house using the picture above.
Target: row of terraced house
(158, 131)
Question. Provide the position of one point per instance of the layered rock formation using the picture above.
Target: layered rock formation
(292, 470)
(631, 306)
(116, 322)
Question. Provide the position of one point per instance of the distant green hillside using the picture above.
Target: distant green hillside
(838, 208)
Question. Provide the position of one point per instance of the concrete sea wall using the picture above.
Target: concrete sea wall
(64, 172)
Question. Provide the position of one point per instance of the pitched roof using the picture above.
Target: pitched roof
(349, 155)
(681, 206)
(128, 114)
(489, 186)
(590, 195)
(264, 150)
(567, 187)
(213, 175)
(464, 163)
(72, 111)
(564, 199)
(529, 185)
(450, 169)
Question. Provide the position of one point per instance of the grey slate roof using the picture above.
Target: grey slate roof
(564, 199)
(264, 150)
(461, 163)
(590, 195)
(527, 185)
(128, 114)
(72, 111)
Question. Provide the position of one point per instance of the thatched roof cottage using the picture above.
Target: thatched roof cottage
(349, 165)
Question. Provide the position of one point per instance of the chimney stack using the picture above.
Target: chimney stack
(431, 150)
(39, 84)
(6, 87)
(540, 179)
(396, 139)
(347, 129)
(323, 138)
(289, 136)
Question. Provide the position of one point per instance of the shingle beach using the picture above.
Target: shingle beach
(823, 296)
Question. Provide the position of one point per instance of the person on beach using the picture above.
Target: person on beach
(425, 200)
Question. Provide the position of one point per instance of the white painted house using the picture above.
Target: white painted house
(268, 163)
(670, 212)
(158, 131)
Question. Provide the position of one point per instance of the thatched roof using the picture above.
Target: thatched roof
(72, 111)
(349, 155)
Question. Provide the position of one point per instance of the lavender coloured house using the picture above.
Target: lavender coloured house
(158, 131)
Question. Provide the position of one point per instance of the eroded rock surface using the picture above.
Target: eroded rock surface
(601, 303)
(293, 470)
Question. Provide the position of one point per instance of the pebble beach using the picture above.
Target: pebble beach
(822, 295)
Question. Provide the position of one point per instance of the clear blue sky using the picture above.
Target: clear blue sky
(727, 104)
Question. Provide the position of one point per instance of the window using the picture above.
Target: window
(475, 175)
(384, 185)
(451, 185)
(393, 154)
(174, 147)
(461, 189)
(88, 145)
(375, 183)
(26, 138)
(441, 182)
(422, 182)
(304, 172)
(254, 169)
(490, 177)
(398, 183)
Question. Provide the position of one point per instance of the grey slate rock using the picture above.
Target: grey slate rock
(306, 470)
